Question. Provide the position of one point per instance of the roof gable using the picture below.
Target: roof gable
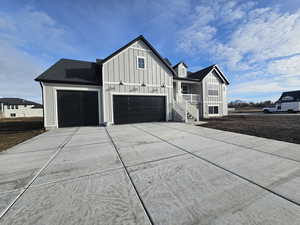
(140, 38)
(201, 74)
(180, 63)
(290, 96)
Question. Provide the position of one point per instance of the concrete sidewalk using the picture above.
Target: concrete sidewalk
(152, 173)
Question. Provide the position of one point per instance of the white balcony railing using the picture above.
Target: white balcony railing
(192, 98)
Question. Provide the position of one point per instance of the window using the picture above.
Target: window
(213, 110)
(184, 89)
(25, 106)
(140, 62)
(287, 98)
(17, 107)
(278, 107)
(8, 106)
(12, 115)
(213, 90)
(12, 107)
(183, 73)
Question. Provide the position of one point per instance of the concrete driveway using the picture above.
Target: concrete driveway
(152, 173)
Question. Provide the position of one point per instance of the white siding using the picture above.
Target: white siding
(50, 100)
(221, 100)
(123, 67)
(22, 111)
(181, 70)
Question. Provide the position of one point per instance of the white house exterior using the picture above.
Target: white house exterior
(16, 107)
(134, 84)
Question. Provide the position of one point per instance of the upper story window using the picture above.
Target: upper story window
(141, 62)
(183, 72)
(17, 107)
(287, 98)
(12, 106)
(184, 89)
(213, 90)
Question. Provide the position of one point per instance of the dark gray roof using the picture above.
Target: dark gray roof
(293, 96)
(168, 61)
(73, 71)
(18, 101)
(83, 72)
(199, 75)
(179, 63)
(186, 79)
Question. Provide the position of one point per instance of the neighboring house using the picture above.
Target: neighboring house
(288, 102)
(134, 84)
(17, 107)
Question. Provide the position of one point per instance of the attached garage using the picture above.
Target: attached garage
(77, 108)
(136, 109)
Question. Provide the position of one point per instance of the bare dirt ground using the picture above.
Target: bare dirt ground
(17, 130)
(278, 127)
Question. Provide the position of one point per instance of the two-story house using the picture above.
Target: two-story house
(17, 107)
(133, 84)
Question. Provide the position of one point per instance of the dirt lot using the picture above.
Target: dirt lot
(15, 131)
(279, 127)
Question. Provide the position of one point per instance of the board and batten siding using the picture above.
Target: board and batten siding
(123, 68)
(50, 100)
(208, 100)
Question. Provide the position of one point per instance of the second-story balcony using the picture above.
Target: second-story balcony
(192, 98)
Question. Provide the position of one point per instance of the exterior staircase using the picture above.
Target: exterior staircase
(185, 111)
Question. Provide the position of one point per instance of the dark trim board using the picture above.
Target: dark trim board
(77, 108)
(138, 108)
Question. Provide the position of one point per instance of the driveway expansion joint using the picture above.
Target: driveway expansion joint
(130, 178)
(221, 167)
(242, 146)
(59, 149)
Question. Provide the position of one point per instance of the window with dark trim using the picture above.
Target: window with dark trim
(213, 109)
(17, 107)
(8, 106)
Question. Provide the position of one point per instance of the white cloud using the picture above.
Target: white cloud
(20, 33)
(265, 86)
(259, 46)
(285, 67)
(260, 34)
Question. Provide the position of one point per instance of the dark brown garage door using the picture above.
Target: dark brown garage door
(77, 108)
(136, 109)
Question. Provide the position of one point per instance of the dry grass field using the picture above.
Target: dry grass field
(275, 126)
(17, 130)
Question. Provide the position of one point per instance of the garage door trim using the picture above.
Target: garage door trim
(77, 89)
(139, 94)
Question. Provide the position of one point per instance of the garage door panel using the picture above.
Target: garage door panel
(134, 109)
(77, 108)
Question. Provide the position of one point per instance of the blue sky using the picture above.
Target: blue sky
(256, 43)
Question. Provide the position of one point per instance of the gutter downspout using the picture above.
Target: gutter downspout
(43, 105)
